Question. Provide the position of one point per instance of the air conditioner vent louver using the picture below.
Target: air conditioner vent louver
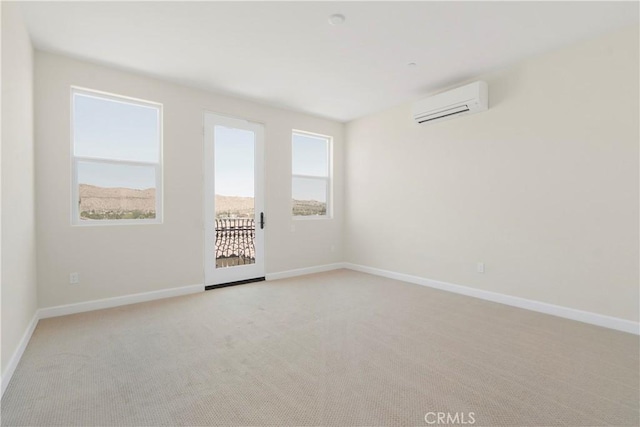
(444, 113)
(468, 99)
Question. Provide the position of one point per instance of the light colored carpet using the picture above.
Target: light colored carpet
(338, 348)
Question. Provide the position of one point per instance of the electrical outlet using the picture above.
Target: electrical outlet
(74, 278)
(481, 267)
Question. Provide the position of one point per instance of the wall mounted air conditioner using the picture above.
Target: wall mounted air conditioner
(467, 99)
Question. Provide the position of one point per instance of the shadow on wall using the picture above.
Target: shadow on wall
(502, 84)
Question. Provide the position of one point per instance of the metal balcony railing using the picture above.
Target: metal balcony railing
(235, 242)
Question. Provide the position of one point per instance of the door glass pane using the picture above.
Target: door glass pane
(110, 191)
(234, 151)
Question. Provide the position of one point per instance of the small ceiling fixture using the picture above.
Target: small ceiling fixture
(336, 19)
(412, 64)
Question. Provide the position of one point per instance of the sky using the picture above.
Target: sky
(116, 175)
(117, 131)
(114, 130)
(234, 164)
(309, 157)
(234, 161)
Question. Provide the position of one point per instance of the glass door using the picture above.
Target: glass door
(234, 200)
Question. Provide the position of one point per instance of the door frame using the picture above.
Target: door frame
(218, 277)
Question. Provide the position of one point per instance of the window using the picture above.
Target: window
(117, 159)
(311, 175)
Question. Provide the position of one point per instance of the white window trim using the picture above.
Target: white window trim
(75, 196)
(328, 178)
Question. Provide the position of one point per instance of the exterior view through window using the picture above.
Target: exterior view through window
(311, 179)
(117, 158)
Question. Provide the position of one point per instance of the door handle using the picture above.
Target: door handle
(261, 220)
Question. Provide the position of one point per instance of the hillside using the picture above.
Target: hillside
(121, 203)
(235, 207)
(309, 207)
(242, 207)
(116, 203)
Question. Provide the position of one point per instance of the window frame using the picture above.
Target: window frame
(328, 179)
(158, 166)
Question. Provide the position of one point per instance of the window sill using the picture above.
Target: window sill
(311, 218)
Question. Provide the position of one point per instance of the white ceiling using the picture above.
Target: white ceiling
(286, 54)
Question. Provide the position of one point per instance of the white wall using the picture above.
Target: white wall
(121, 260)
(543, 187)
(18, 192)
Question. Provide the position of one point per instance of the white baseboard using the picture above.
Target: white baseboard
(541, 307)
(81, 307)
(17, 355)
(555, 310)
(303, 271)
